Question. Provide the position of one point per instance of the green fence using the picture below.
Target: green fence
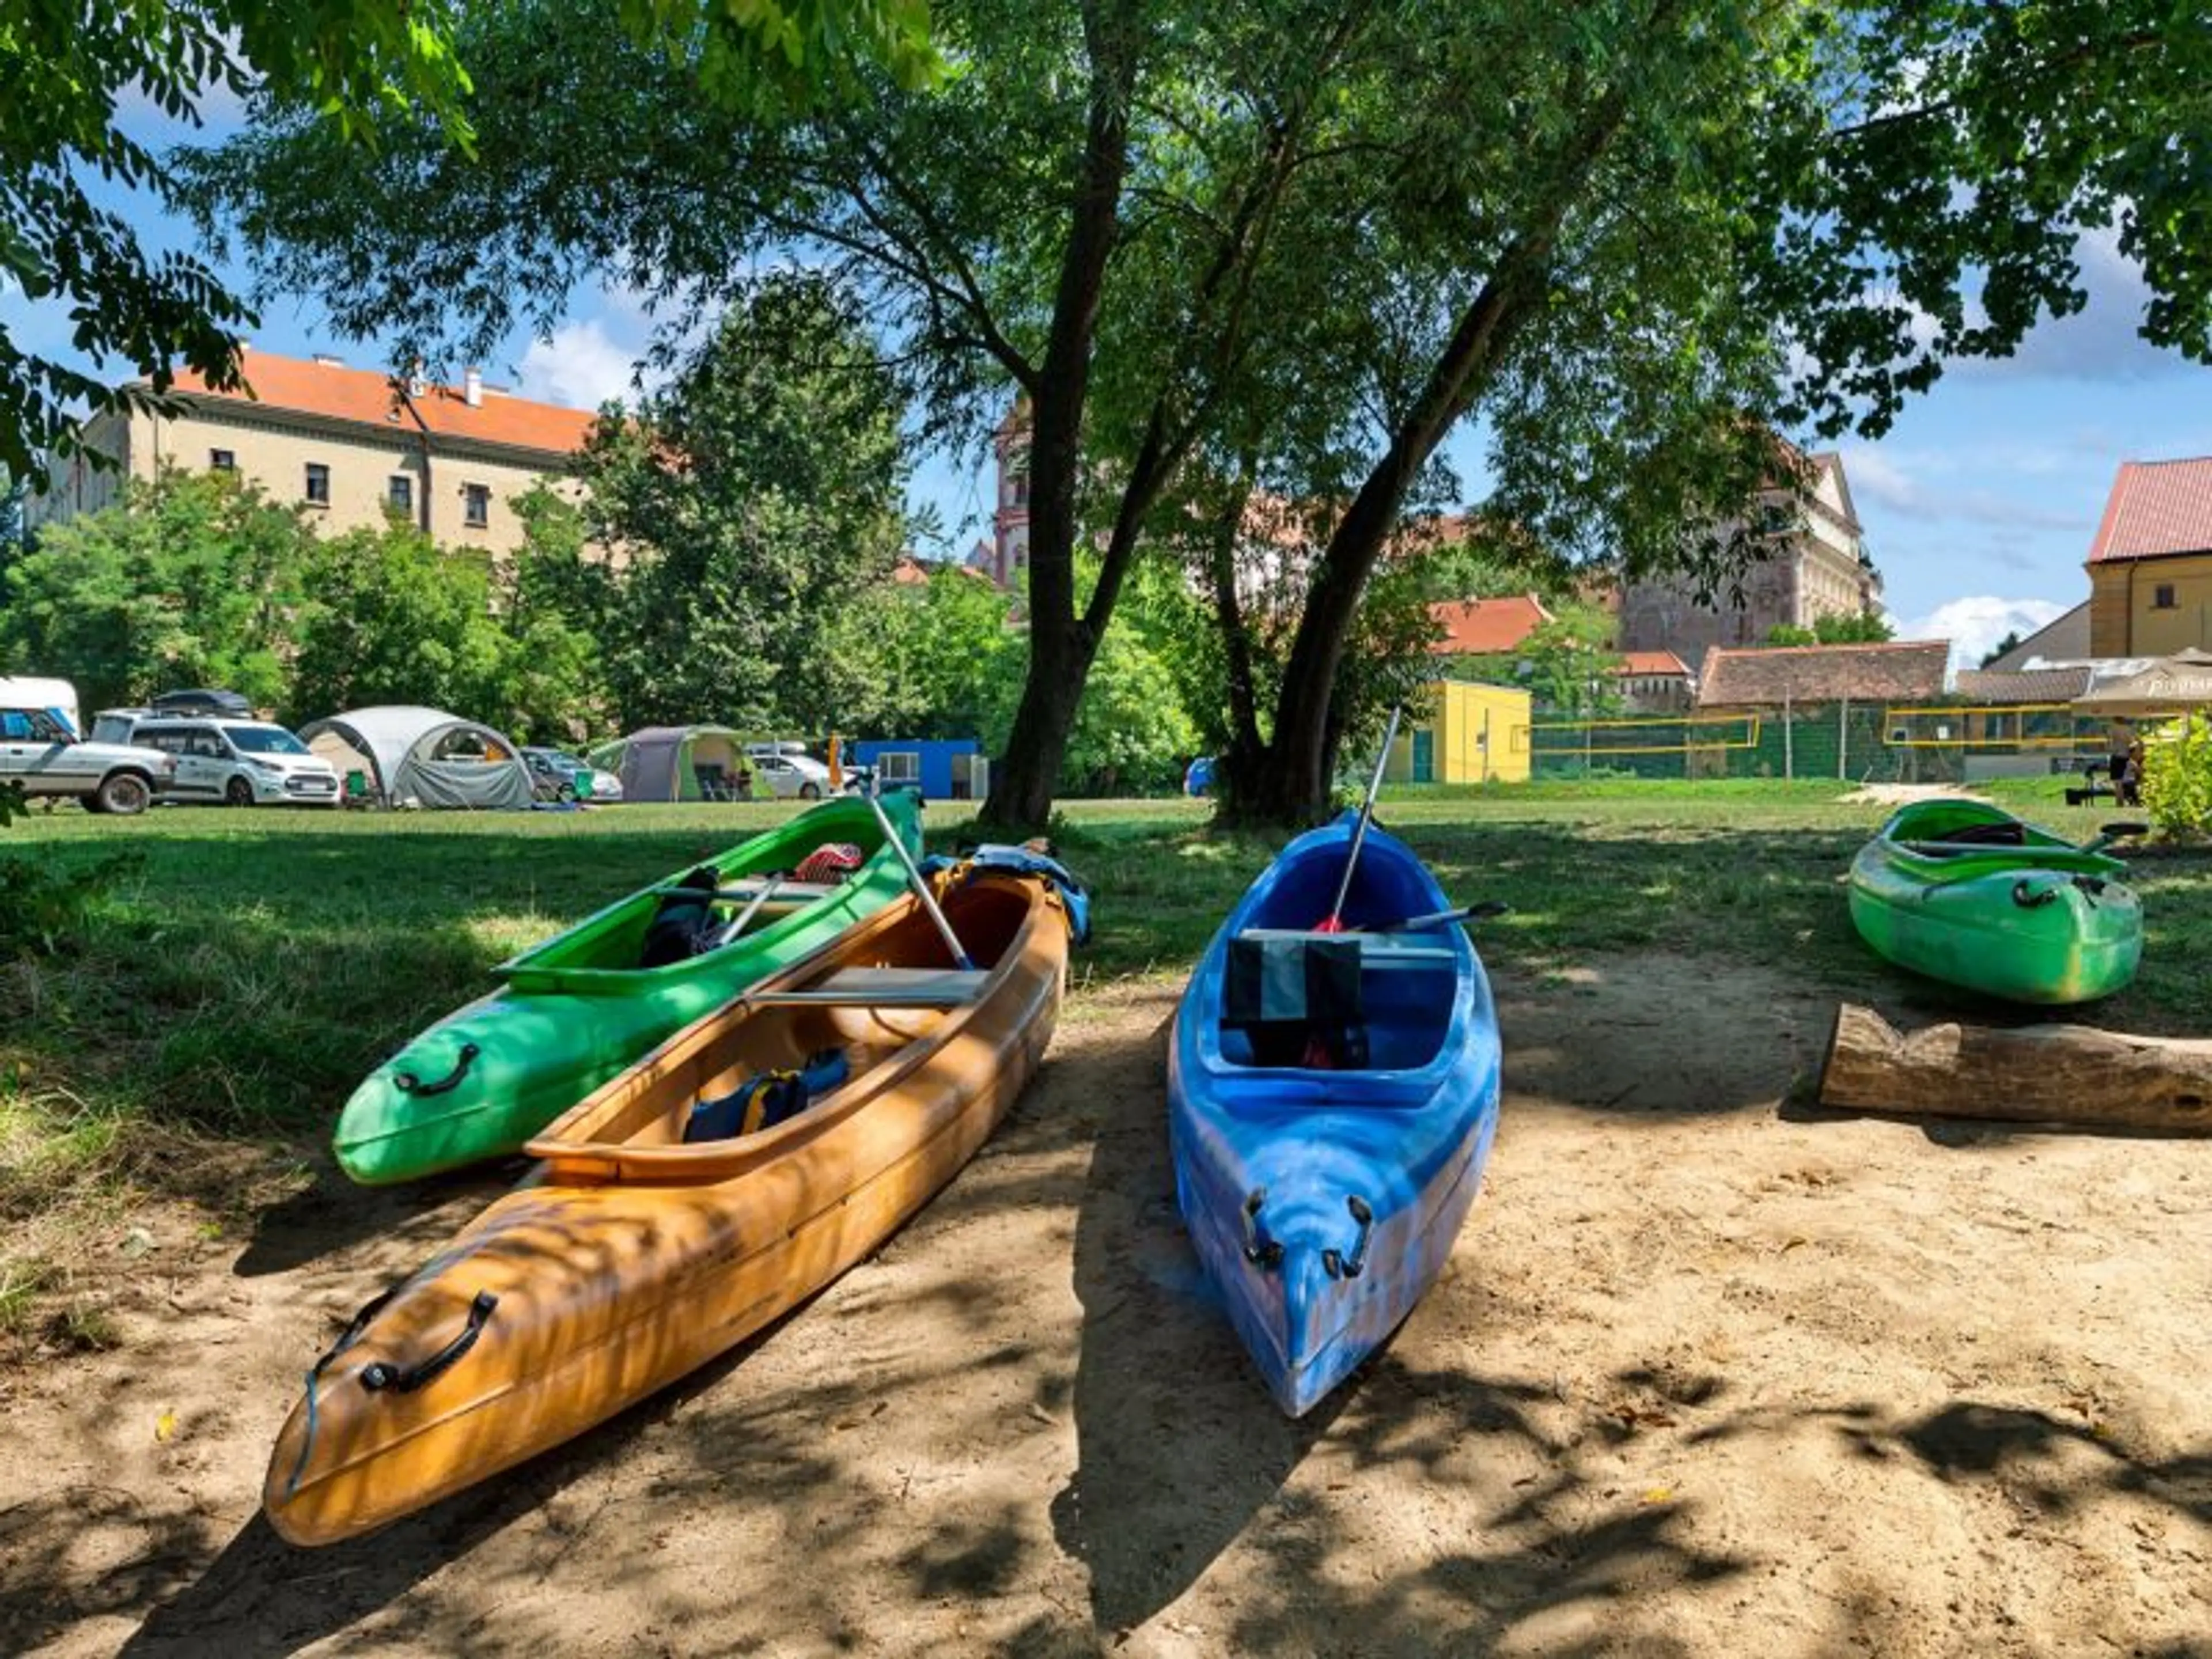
(1858, 741)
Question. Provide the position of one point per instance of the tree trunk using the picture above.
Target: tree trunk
(2033, 1074)
(1291, 785)
(1061, 646)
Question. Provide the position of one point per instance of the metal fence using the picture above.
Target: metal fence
(1863, 742)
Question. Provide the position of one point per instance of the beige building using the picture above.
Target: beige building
(1817, 568)
(347, 445)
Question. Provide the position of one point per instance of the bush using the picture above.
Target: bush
(2177, 780)
(43, 909)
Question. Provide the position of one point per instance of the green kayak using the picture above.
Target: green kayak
(577, 1009)
(1965, 892)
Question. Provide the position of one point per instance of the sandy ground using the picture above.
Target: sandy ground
(1710, 1373)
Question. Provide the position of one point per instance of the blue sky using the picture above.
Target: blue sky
(1978, 505)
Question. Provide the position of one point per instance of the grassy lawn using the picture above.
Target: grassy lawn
(252, 965)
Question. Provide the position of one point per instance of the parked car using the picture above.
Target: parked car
(228, 704)
(553, 772)
(237, 763)
(40, 749)
(787, 770)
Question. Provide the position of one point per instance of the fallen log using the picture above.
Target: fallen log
(2029, 1075)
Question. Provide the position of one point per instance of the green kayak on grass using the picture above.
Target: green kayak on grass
(577, 1009)
(1965, 892)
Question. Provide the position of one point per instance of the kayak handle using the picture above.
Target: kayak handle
(1261, 1252)
(1351, 1267)
(408, 1083)
(347, 1337)
(2030, 898)
(405, 1379)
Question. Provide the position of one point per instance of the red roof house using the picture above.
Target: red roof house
(1480, 626)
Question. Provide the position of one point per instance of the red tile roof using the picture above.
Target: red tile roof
(1652, 662)
(1473, 626)
(1902, 670)
(364, 396)
(2156, 508)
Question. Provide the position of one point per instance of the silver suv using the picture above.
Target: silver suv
(39, 750)
(236, 762)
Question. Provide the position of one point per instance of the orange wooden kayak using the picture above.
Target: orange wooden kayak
(634, 1255)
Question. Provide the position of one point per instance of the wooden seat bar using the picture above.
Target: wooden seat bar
(886, 988)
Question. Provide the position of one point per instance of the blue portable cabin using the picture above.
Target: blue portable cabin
(946, 768)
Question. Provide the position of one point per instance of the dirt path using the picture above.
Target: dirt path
(1704, 1379)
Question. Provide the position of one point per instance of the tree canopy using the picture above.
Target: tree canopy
(348, 71)
(1294, 244)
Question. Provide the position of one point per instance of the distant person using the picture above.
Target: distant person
(2119, 735)
(2127, 782)
(684, 926)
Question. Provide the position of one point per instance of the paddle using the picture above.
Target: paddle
(920, 882)
(2112, 832)
(736, 929)
(1481, 912)
(1334, 923)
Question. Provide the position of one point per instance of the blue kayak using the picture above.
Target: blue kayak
(1332, 1099)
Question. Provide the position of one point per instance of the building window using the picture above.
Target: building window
(2162, 597)
(898, 766)
(222, 460)
(476, 506)
(399, 494)
(319, 484)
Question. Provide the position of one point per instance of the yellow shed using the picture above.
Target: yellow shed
(1471, 734)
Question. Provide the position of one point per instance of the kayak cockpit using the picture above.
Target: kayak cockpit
(832, 1032)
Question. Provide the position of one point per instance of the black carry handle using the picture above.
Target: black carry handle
(408, 1083)
(1351, 1267)
(405, 1379)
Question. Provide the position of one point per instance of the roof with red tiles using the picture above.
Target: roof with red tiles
(2156, 508)
(1898, 671)
(368, 397)
(1473, 626)
(1652, 662)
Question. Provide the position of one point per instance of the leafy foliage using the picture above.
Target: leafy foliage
(2009, 643)
(2176, 777)
(1865, 627)
(192, 580)
(45, 904)
(752, 498)
(69, 69)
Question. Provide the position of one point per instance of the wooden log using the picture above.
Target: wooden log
(2030, 1074)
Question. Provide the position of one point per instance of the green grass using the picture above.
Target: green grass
(255, 965)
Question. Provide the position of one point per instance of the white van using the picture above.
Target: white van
(230, 761)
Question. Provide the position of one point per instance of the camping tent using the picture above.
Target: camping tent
(667, 762)
(2164, 686)
(423, 757)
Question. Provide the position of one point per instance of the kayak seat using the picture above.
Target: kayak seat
(1294, 999)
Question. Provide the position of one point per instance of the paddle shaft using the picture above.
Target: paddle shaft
(738, 927)
(1444, 918)
(1359, 830)
(920, 885)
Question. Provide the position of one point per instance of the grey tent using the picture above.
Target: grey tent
(423, 757)
(676, 762)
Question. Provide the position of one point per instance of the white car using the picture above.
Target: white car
(41, 750)
(787, 770)
(233, 763)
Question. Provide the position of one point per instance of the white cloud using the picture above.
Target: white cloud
(1974, 625)
(1895, 478)
(581, 365)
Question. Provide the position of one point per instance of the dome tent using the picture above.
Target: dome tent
(423, 757)
(664, 762)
